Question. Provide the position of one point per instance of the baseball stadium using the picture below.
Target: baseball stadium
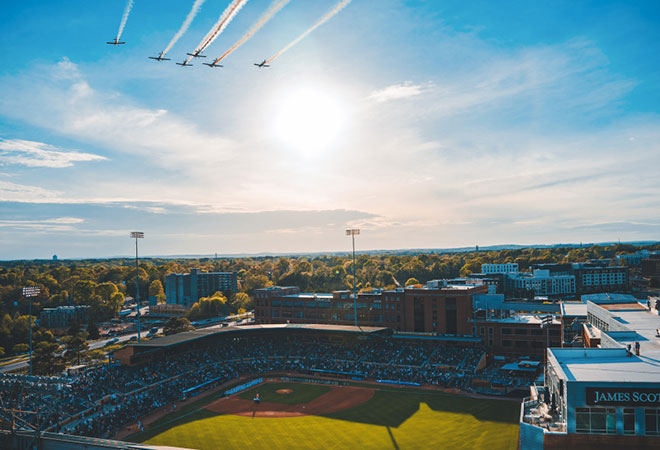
(275, 386)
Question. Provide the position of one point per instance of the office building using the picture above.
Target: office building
(63, 316)
(499, 268)
(186, 289)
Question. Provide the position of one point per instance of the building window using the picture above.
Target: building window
(628, 421)
(506, 330)
(595, 420)
(652, 417)
(506, 343)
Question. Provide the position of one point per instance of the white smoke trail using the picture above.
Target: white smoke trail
(186, 23)
(274, 8)
(227, 15)
(341, 5)
(124, 18)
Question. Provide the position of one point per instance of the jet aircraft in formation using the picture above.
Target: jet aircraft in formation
(115, 42)
(262, 64)
(213, 64)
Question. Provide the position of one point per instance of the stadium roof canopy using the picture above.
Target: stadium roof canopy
(189, 336)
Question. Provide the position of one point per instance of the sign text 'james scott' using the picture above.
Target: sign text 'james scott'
(623, 396)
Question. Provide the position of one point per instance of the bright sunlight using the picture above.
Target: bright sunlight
(309, 120)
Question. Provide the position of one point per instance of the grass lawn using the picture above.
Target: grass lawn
(302, 393)
(390, 420)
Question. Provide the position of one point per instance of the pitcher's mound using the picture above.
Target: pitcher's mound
(284, 391)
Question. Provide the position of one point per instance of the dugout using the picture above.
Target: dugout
(142, 352)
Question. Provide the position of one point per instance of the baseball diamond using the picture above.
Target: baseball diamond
(371, 417)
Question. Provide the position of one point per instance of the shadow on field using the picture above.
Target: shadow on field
(158, 427)
(391, 408)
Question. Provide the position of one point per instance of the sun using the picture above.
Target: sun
(309, 120)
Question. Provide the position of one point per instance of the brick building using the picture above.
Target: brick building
(438, 308)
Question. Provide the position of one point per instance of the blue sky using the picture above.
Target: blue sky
(424, 123)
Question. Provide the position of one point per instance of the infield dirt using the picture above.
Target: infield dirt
(337, 399)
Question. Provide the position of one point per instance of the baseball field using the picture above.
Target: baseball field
(313, 416)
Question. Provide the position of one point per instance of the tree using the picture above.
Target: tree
(93, 330)
(95, 355)
(44, 361)
(83, 291)
(75, 347)
(20, 348)
(74, 328)
(176, 325)
(208, 307)
(412, 282)
(156, 290)
(241, 300)
(42, 335)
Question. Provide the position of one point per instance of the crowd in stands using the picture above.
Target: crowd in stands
(111, 396)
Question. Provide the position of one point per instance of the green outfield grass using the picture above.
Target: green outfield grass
(392, 419)
(302, 393)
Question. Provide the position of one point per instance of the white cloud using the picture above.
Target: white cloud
(14, 192)
(39, 154)
(61, 99)
(52, 224)
(397, 91)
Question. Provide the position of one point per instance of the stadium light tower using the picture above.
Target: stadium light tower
(137, 235)
(29, 292)
(352, 233)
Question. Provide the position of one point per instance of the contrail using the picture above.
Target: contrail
(124, 18)
(321, 21)
(184, 27)
(227, 15)
(274, 8)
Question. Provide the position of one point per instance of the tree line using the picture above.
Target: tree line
(104, 284)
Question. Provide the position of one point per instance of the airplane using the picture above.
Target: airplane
(213, 64)
(184, 63)
(115, 42)
(197, 54)
(262, 64)
(159, 57)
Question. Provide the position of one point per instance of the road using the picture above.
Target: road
(92, 346)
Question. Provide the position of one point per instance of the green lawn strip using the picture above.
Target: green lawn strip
(302, 393)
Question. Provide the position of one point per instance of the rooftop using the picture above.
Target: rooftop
(623, 307)
(574, 309)
(188, 336)
(643, 325)
(308, 295)
(526, 318)
(605, 365)
(607, 297)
